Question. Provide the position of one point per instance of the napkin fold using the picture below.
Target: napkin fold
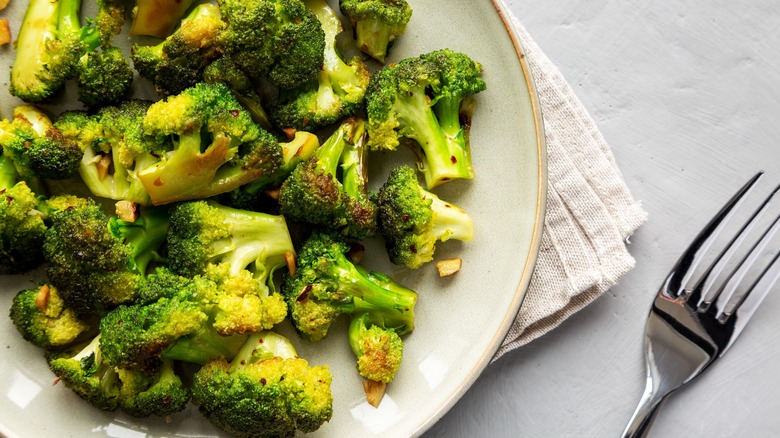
(590, 211)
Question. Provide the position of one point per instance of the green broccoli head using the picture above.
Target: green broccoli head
(330, 189)
(376, 23)
(337, 92)
(178, 62)
(327, 284)
(266, 391)
(379, 350)
(134, 336)
(161, 394)
(412, 219)
(279, 40)
(190, 319)
(427, 99)
(204, 233)
(42, 318)
(105, 77)
(216, 145)
(83, 370)
(97, 263)
(36, 147)
(22, 228)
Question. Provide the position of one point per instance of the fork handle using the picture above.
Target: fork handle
(645, 414)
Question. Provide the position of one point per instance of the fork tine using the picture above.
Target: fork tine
(685, 267)
(706, 289)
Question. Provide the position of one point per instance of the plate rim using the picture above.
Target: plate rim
(536, 239)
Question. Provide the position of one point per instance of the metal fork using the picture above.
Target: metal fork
(689, 328)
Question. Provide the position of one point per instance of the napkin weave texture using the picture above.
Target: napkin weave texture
(590, 211)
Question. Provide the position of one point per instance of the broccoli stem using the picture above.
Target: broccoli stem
(261, 346)
(8, 175)
(353, 164)
(445, 157)
(449, 221)
(354, 281)
(70, 23)
(335, 70)
(204, 345)
(372, 37)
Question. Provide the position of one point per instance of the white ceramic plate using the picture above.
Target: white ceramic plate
(460, 320)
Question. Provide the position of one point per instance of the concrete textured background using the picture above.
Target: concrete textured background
(687, 94)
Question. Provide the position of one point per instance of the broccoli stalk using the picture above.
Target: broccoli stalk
(376, 23)
(265, 391)
(53, 47)
(158, 18)
(412, 219)
(216, 145)
(326, 284)
(339, 89)
(317, 193)
(427, 99)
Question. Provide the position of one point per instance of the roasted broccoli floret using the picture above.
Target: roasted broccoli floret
(114, 148)
(428, 99)
(53, 47)
(103, 386)
(83, 370)
(248, 196)
(96, 262)
(177, 63)
(338, 90)
(204, 233)
(104, 78)
(330, 188)
(379, 350)
(376, 23)
(224, 70)
(42, 318)
(279, 40)
(412, 219)
(190, 319)
(327, 284)
(22, 228)
(216, 145)
(265, 391)
(36, 147)
(161, 394)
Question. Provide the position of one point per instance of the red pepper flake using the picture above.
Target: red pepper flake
(158, 182)
(405, 217)
(234, 113)
(413, 248)
(453, 159)
(263, 381)
(166, 399)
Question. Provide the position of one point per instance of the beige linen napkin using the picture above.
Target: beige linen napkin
(590, 212)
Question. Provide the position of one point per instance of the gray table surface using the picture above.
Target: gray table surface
(687, 94)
